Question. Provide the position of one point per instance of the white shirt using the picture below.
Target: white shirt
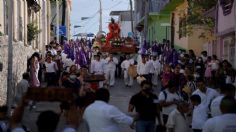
(51, 67)
(156, 66)
(177, 121)
(22, 88)
(69, 130)
(97, 67)
(111, 65)
(215, 106)
(170, 97)
(126, 63)
(214, 65)
(102, 117)
(200, 116)
(222, 123)
(53, 51)
(139, 59)
(143, 69)
(207, 97)
(18, 129)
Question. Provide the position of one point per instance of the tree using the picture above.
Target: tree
(196, 16)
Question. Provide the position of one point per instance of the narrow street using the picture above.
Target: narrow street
(64, 50)
(120, 97)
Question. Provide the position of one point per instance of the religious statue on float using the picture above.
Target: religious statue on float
(113, 37)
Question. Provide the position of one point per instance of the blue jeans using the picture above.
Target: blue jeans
(145, 126)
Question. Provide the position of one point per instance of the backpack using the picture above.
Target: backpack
(165, 95)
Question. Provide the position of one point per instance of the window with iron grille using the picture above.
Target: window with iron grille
(226, 6)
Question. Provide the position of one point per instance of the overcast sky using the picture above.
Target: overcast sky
(90, 8)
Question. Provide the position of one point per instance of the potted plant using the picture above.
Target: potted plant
(32, 32)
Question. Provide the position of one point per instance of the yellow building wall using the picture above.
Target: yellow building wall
(194, 42)
(179, 11)
(189, 42)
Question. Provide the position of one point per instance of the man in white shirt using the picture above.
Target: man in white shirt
(22, 87)
(103, 117)
(206, 94)
(125, 66)
(51, 69)
(110, 70)
(168, 100)
(97, 68)
(143, 69)
(225, 122)
(156, 70)
(200, 114)
(227, 90)
(177, 121)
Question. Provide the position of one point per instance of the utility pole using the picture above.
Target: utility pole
(131, 15)
(57, 20)
(100, 19)
(146, 19)
(63, 22)
(10, 4)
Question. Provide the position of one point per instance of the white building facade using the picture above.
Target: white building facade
(24, 12)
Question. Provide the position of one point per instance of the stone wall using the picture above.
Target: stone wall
(20, 55)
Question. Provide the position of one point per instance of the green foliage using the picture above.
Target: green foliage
(1, 34)
(195, 15)
(32, 32)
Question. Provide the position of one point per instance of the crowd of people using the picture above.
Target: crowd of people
(195, 93)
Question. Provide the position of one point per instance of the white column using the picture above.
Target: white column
(44, 25)
(40, 25)
(48, 20)
(68, 12)
(25, 22)
(21, 20)
(15, 20)
(1, 16)
(57, 19)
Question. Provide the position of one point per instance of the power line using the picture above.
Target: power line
(114, 5)
(89, 18)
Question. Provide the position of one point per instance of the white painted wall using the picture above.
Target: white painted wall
(1, 16)
(226, 22)
(125, 28)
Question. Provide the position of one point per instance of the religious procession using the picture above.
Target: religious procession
(112, 83)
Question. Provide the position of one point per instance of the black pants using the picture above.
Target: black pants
(148, 77)
(51, 78)
(197, 130)
(165, 118)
